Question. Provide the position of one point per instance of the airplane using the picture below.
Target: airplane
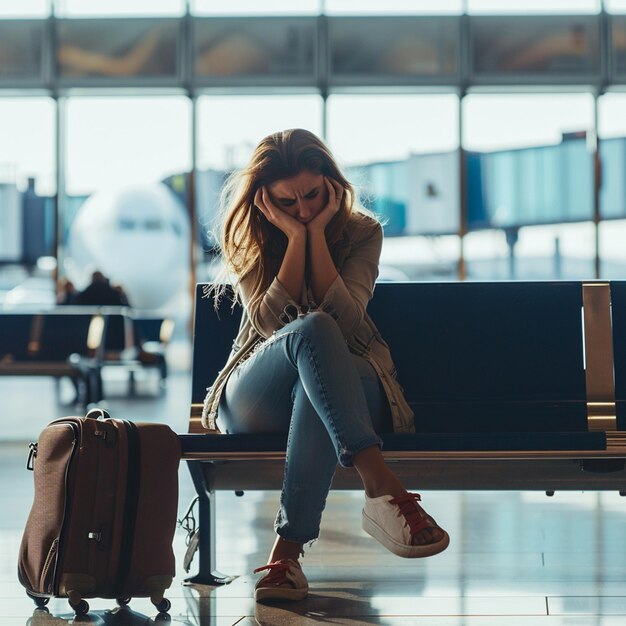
(139, 237)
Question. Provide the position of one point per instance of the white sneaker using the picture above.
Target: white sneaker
(285, 580)
(394, 522)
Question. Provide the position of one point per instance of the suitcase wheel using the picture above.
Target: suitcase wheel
(164, 606)
(38, 600)
(82, 608)
(123, 601)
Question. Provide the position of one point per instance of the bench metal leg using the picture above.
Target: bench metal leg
(163, 369)
(92, 386)
(132, 389)
(208, 574)
(98, 387)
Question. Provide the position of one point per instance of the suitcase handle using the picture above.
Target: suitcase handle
(97, 414)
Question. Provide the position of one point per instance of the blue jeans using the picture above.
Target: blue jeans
(305, 382)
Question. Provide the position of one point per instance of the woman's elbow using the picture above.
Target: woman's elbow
(350, 321)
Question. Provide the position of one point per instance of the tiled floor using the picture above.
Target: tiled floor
(516, 559)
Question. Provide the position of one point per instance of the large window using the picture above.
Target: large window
(402, 154)
(385, 100)
(529, 167)
(119, 216)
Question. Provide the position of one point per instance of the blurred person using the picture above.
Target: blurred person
(66, 292)
(100, 292)
(122, 294)
(308, 359)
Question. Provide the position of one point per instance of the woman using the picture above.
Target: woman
(308, 360)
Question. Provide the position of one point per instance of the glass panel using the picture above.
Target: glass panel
(528, 163)
(556, 252)
(564, 252)
(615, 6)
(229, 128)
(534, 6)
(11, 245)
(118, 8)
(27, 212)
(368, 129)
(612, 249)
(393, 46)
(115, 142)
(404, 7)
(532, 45)
(489, 255)
(117, 48)
(501, 122)
(618, 46)
(254, 7)
(124, 212)
(420, 258)
(612, 133)
(409, 178)
(27, 146)
(25, 8)
(255, 47)
(20, 49)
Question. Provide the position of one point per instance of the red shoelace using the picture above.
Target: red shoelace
(277, 571)
(416, 518)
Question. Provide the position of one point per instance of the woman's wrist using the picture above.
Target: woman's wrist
(315, 230)
(298, 235)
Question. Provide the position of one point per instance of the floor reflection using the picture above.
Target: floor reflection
(516, 558)
(120, 616)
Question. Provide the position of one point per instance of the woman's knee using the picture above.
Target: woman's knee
(317, 324)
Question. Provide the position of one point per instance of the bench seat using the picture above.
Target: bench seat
(514, 386)
(57, 344)
(399, 446)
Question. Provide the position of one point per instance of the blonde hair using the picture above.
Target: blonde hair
(250, 244)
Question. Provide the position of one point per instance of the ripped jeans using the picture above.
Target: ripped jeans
(303, 380)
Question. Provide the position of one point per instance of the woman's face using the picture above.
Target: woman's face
(302, 196)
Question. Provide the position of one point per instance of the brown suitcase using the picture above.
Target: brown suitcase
(104, 513)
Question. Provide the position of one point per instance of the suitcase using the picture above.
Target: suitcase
(104, 512)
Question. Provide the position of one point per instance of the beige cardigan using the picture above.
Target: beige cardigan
(357, 257)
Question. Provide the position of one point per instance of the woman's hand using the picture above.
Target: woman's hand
(283, 221)
(323, 218)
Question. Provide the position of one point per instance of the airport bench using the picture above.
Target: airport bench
(54, 344)
(515, 385)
